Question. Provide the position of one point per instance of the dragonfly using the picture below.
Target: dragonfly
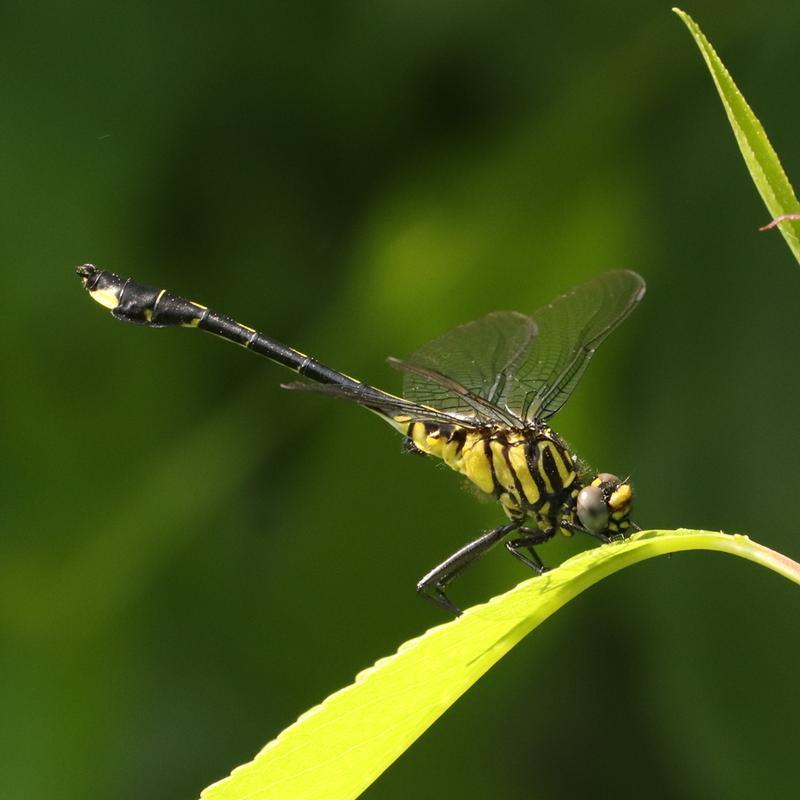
(479, 397)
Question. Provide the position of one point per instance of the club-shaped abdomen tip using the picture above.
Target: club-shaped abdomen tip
(103, 287)
(86, 272)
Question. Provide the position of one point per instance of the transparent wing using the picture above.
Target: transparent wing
(508, 367)
(570, 329)
(383, 402)
(468, 371)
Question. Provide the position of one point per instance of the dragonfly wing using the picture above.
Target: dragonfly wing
(467, 371)
(570, 329)
(482, 410)
(385, 403)
(506, 367)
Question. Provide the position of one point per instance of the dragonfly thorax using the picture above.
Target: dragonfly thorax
(529, 471)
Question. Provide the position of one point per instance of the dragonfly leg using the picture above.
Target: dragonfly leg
(526, 542)
(573, 528)
(432, 586)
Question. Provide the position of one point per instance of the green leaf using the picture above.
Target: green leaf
(759, 156)
(337, 749)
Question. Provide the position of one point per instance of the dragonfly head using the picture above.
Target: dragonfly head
(605, 505)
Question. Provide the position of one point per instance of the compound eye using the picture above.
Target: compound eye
(592, 509)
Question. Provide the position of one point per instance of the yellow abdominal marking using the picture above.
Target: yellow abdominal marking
(148, 312)
(474, 463)
(193, 323)
(107, 298)
(449, 452)
(468, 460)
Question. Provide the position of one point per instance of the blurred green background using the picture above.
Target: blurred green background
(191, 557)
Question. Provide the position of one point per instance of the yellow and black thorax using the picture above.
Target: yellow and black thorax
(529, 471)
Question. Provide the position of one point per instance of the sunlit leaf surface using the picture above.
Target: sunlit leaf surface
(761, 159)
(337, 749)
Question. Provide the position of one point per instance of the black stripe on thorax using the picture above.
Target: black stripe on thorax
(517, 483)
(551, 470)
(487, 451)
(532, 451)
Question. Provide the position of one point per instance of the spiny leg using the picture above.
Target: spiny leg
(432, 586)
(526, 542)
(573, 528)
(604, 538)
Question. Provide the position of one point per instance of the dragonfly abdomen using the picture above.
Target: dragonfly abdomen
(131, 301)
